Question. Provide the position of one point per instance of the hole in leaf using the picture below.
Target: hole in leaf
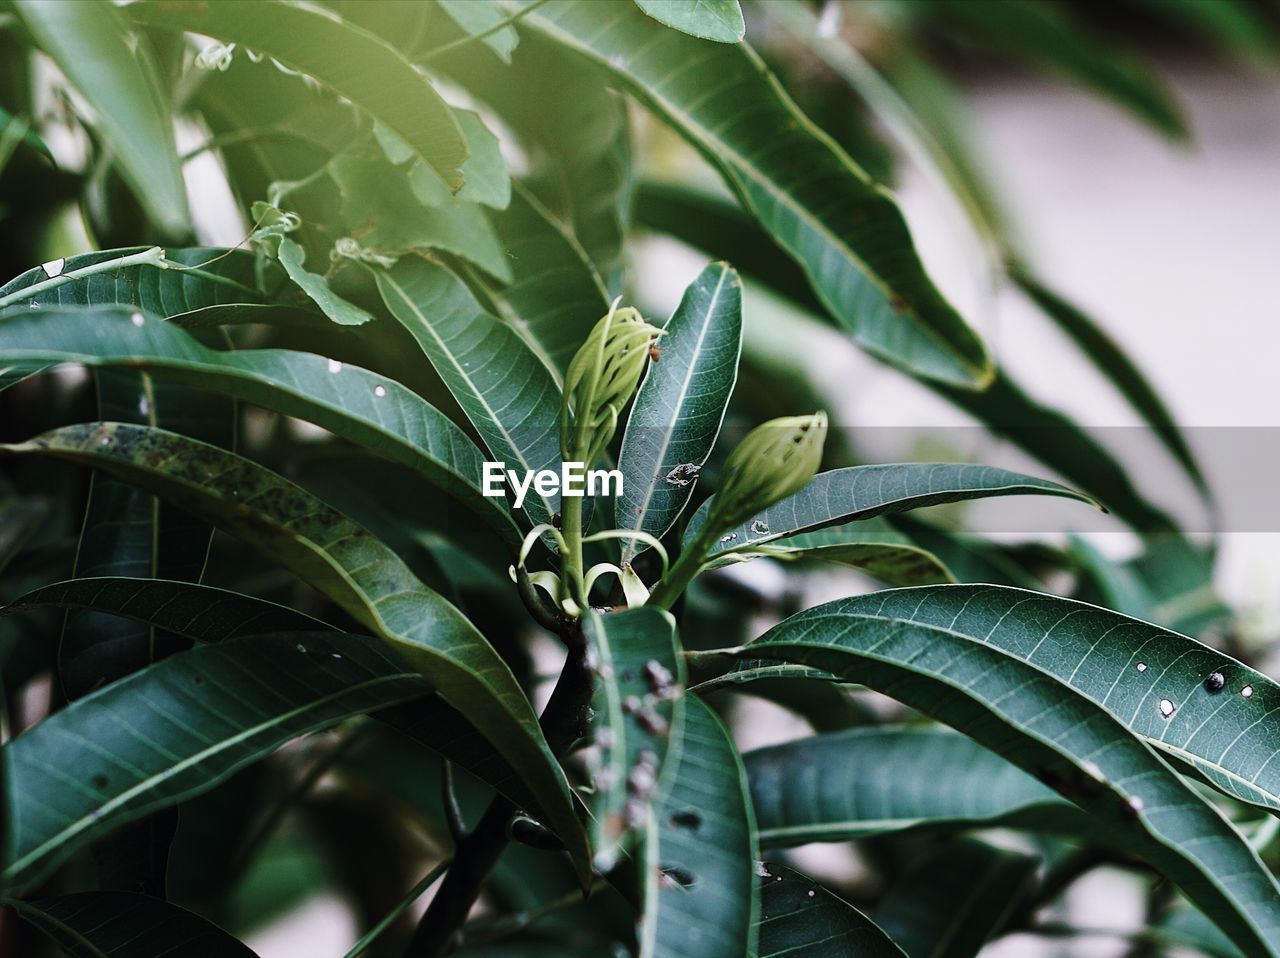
(689, 820)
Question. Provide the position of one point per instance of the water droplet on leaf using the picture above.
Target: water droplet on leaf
(1142, 666)
(379, 391)
(1247, 691)
(137, 319)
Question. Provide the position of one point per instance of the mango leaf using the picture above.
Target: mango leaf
(19, 520)
(196, 717)
(801, 919)
(349, 61)
(870, 781)
(1238, 26)
(955, 899)
(701, 896)
(844, 231)
(478, 18)
(504, 389)
(120, 925)
(89, 43)
(917, 646)
(555, 295)
(485, 176)
(678, 410)
(348, 565)
(719, 20)
(10, 127)
(877, 551)
(639, 708)
(1048, 36)
(291, 256)
(862, 492)
(375, 412)
(1119, 369)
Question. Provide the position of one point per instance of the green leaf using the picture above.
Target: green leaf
(485, 177)
(214, 286)
(701, 895)
(801, 919)
(719, 20)
(120, 925)
(349, 61)
(639, 708)
(1238, 26)
(370, 410)
(955, 899)
(293, 258)
(478, 17)
(10, 125)
(1119, 369)
(1046, 35)
(862, 492)
(194, 718)
(504, 389)
(348, 565)
(844, 231)
(862, 782)
(117, 77)
(1016, 687)
(869, 547)
(680, 405)
(555, 296)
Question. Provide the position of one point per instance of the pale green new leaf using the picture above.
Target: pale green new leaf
(862, 492)
(347, 564)
(801, 919)
(481, 16)
(678, 410)
(843, 230)
(870, 781)
(293, 258)
(719, 20)
(504, 389)
(1016, 687)
(370, 410)
(870, 546)
(701, 896)
(88, 41)
(346, 59)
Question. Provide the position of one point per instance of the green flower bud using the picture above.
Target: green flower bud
(601, 379)
(776, 459)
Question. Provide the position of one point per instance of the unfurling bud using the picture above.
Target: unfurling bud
(776, 459)
(601, 379)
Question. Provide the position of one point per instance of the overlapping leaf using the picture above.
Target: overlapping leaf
(680, 405)
(801, 919)
(719, 20)
(871, 548)
(348, 565)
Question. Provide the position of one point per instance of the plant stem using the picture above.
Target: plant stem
(148, 257)
(571, 561)
(672, 585)
(405, 903)
(563, 723)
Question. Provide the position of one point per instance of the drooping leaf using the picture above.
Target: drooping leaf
(1119, 369)
(680, 405)
(120, 925)
(818, 697)
(801, 919)
(117, 77)
(862, 492)
(701, 896)
(346, 59)
(870, 547)
(293, 258)
(1178, 574)
(639, 709)
(348, 565)
(375, 412)
(956, 898)
(505, 390)
(1047, 35)
(917, 646)
(485, 176)
(194, 718)
(845, 232)
(868, 781)
(17, 127)
(719, 20)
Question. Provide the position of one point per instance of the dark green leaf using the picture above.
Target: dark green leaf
(701, 896)
(868, 781)
(193, 719)
(862, 492)
(117, 77)
(956, 898)
(678, 410)
(119, 925)
(801, 919)
(1016, 686)
(351, 62)
(638, 706)
(719, 20)
(845, 231)
(505, 390)
(879, 552)
(370, 410)
(347, 564)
